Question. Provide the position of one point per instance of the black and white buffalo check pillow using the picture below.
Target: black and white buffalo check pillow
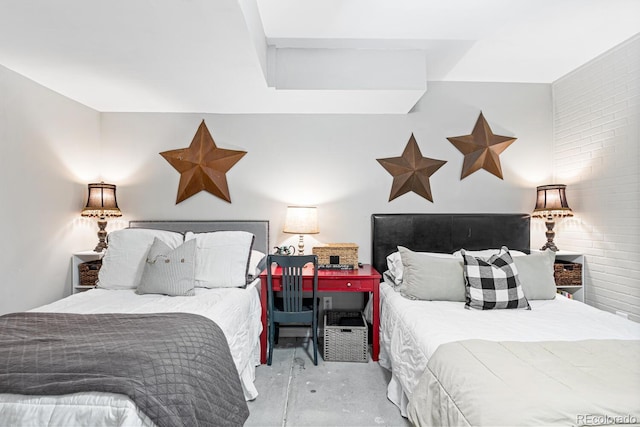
(493, 283)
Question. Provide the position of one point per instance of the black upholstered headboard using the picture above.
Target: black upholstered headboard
(446, 233)
(259, 228)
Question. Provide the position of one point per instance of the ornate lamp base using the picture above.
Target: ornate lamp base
(550, 223)
(102, 235)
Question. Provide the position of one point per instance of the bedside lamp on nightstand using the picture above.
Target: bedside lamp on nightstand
(550, 203)
(101, 203)
(301, 220)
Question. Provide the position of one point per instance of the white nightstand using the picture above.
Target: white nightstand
(77, 259)
(577, 292)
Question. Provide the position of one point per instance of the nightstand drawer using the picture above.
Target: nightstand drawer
(348, 285)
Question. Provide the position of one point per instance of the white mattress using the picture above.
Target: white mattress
(237, 312)
(411, 331)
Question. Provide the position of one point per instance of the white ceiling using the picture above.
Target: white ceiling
(297, 56)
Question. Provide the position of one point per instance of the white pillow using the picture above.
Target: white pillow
(257, 263)
(487, 253)
(169, 271)
(222, 258)
(396, 269)
(394, 264)
(123, 263)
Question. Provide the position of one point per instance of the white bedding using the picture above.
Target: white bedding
(237, 311)
(411, 331)
(514, 383)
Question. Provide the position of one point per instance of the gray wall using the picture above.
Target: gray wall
(324, 160)
(50, 150)
(586, 137)
(329, 161)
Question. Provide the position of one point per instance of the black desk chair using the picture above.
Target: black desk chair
(291, 308)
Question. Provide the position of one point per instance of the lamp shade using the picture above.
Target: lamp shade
(552, 201)
(301, 220)
(101, 201)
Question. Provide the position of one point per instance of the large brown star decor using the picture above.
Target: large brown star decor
(203, 166)
(481, 149)
(411, 171)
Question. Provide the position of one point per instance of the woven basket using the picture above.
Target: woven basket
(342, 254)
(567, 273)
(89, 272)
(344, 342)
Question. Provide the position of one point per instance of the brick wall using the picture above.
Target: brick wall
(596, 139)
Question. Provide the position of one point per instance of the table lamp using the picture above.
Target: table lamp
(101, 203)
(301, 220)
(551, 202)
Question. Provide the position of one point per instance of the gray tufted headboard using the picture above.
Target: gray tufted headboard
(259, 228)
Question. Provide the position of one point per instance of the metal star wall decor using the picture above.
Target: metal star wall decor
(481, 149)
(203, 166)
(411, 171)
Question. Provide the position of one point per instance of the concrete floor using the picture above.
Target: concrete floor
(295, 392)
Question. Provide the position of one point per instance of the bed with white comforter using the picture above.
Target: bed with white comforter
(474, 333)
(411, 331)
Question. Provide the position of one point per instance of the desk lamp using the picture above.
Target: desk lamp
(301, 220)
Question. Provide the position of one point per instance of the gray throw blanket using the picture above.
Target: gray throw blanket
(176, 367)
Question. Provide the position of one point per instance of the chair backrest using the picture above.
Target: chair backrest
(292, 267)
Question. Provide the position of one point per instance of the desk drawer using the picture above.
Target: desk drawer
(347, 285)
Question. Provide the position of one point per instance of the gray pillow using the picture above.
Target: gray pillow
(169, 271)
(432, 278)
(536, 274)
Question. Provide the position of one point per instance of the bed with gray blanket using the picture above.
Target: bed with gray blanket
(176, 367)
(169, 337)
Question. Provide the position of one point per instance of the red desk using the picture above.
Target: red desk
(363, 279)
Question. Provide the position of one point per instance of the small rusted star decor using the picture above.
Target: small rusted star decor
(203, 166)
(411, 171)
(481, 149)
